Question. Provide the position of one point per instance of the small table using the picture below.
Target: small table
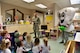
(44, 32)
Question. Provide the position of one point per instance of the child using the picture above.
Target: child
(8, 44)
(19, 47)
(4, 28)
(28, 43)
(6, 35)
(36, 48)
(24, 35)
(18, 38)
(1, 37)
(5, 46)
(45, 46)
(16, 34)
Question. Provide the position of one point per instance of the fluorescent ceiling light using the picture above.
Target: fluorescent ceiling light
(76, 8)
(29, 1)
(41, 6)
(75, 1)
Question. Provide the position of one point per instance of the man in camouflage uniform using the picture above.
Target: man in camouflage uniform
(36, 23)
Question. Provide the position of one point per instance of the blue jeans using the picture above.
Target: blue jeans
(0, 51)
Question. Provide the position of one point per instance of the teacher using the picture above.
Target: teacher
(36, 23)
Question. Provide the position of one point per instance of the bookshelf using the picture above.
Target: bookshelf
(76, 21)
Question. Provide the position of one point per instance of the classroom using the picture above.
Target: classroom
(39, 26)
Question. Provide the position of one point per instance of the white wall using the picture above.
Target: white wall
(5, 6)
(0, 15)
(57, 8)
(0, 18)
(0, 8)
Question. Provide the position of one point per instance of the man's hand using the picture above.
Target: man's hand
(67, 25)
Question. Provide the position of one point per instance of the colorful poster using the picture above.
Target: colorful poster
(49, 18)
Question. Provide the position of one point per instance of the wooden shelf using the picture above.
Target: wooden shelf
(70, 47)
(77, 27)
(76, 20)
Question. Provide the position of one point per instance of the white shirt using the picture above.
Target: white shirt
(27, 45)
(70, 28)
(7, 50)
(19, 50)
(36, 49)
(45, 49)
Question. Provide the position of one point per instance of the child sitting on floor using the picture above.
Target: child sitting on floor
(45, 46)
(28, 43)
(36, 48)
(5, 46)
(20, 47)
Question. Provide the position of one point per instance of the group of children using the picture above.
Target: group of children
(5, 41)
(28, 45)
(23, 43)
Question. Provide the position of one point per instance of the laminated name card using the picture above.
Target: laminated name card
(77, 37)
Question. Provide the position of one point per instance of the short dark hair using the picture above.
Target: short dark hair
(37, 41)
(16, 30)
(19, 43)
(4, 27)
(24, 34)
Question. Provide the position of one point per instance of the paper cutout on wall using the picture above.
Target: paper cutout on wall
(49, 18)
(16, 17)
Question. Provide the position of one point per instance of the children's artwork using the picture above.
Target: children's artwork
(8, 19)
(21, 22)
(49, 18)
(16, 17)
(27, 22)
